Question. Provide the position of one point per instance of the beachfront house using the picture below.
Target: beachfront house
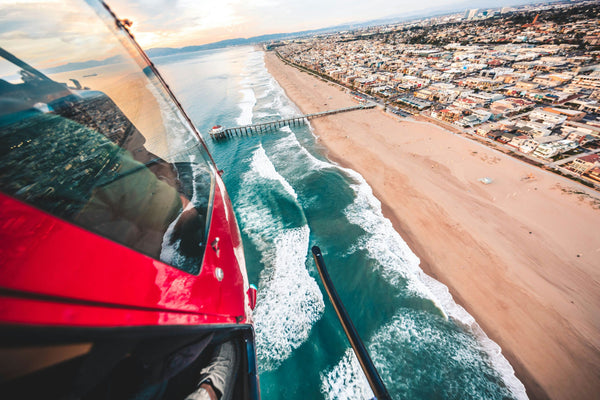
(583, 164)
(551, 149)
(518, 141)
(594, 174)
(506, 137)
(414, 103)
(450, 114)
(528, 146)
(469, 121)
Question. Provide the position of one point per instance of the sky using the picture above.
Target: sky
(178, 23)
(55, 32)
(47, 33)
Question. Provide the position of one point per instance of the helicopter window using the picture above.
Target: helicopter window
(100, 143)
(11, 74)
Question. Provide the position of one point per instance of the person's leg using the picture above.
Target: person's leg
(218, 377)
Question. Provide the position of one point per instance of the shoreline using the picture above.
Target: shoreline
(534, 390)
(527, 291)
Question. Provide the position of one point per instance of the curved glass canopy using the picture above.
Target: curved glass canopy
(89, 132)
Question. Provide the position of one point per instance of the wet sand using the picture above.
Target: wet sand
(521, 254)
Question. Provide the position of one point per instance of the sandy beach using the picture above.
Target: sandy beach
(521, 254)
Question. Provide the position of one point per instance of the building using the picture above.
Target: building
(581, 165)
(584, 129)
(509, 106)
(591, 81)
(518, 141)
(472, 13)
(551, 149)
(528, 146)
(552, 79)
(580, 137)
(549, 120)
(572, 115)
(449, 115)
(594, 174)
(532, 128)
(414, 103)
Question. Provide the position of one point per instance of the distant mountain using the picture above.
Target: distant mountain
(166, 51)
(84, 64)
(430, 12)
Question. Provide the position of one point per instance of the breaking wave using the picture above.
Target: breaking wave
(289, 299)
(400, 266)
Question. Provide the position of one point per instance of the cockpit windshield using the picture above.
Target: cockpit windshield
(90, 134)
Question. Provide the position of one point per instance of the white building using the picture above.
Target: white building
(527, 146)
(547, 150)
(483, 97)
(472, 13)
(549, 120)
(534, 129)
(591, 81)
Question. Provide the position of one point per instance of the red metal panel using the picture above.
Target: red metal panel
(23, 311)
(44, 255)
(223, 254)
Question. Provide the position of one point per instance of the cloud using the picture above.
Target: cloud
(178, 23)
(64, 31)
(160, 23)
(173, 23)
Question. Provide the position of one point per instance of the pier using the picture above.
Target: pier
(263, 127)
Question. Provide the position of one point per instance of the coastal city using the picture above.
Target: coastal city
(524, 80)
(387, 199)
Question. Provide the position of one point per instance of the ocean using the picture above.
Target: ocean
(288, 197)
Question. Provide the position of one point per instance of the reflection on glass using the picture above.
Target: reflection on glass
(96, 140)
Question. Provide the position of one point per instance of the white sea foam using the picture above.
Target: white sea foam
(288, 146)
(346, 380)
(280, 101)
(270, 87)
(246, 105)
(491, 348)
(265, 169)
(289, 300)
(260, 115)
(399, 265)
(409, 336)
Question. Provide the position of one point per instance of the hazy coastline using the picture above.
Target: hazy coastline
(511, 252)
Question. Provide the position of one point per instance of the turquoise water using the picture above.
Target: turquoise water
(287, 198)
